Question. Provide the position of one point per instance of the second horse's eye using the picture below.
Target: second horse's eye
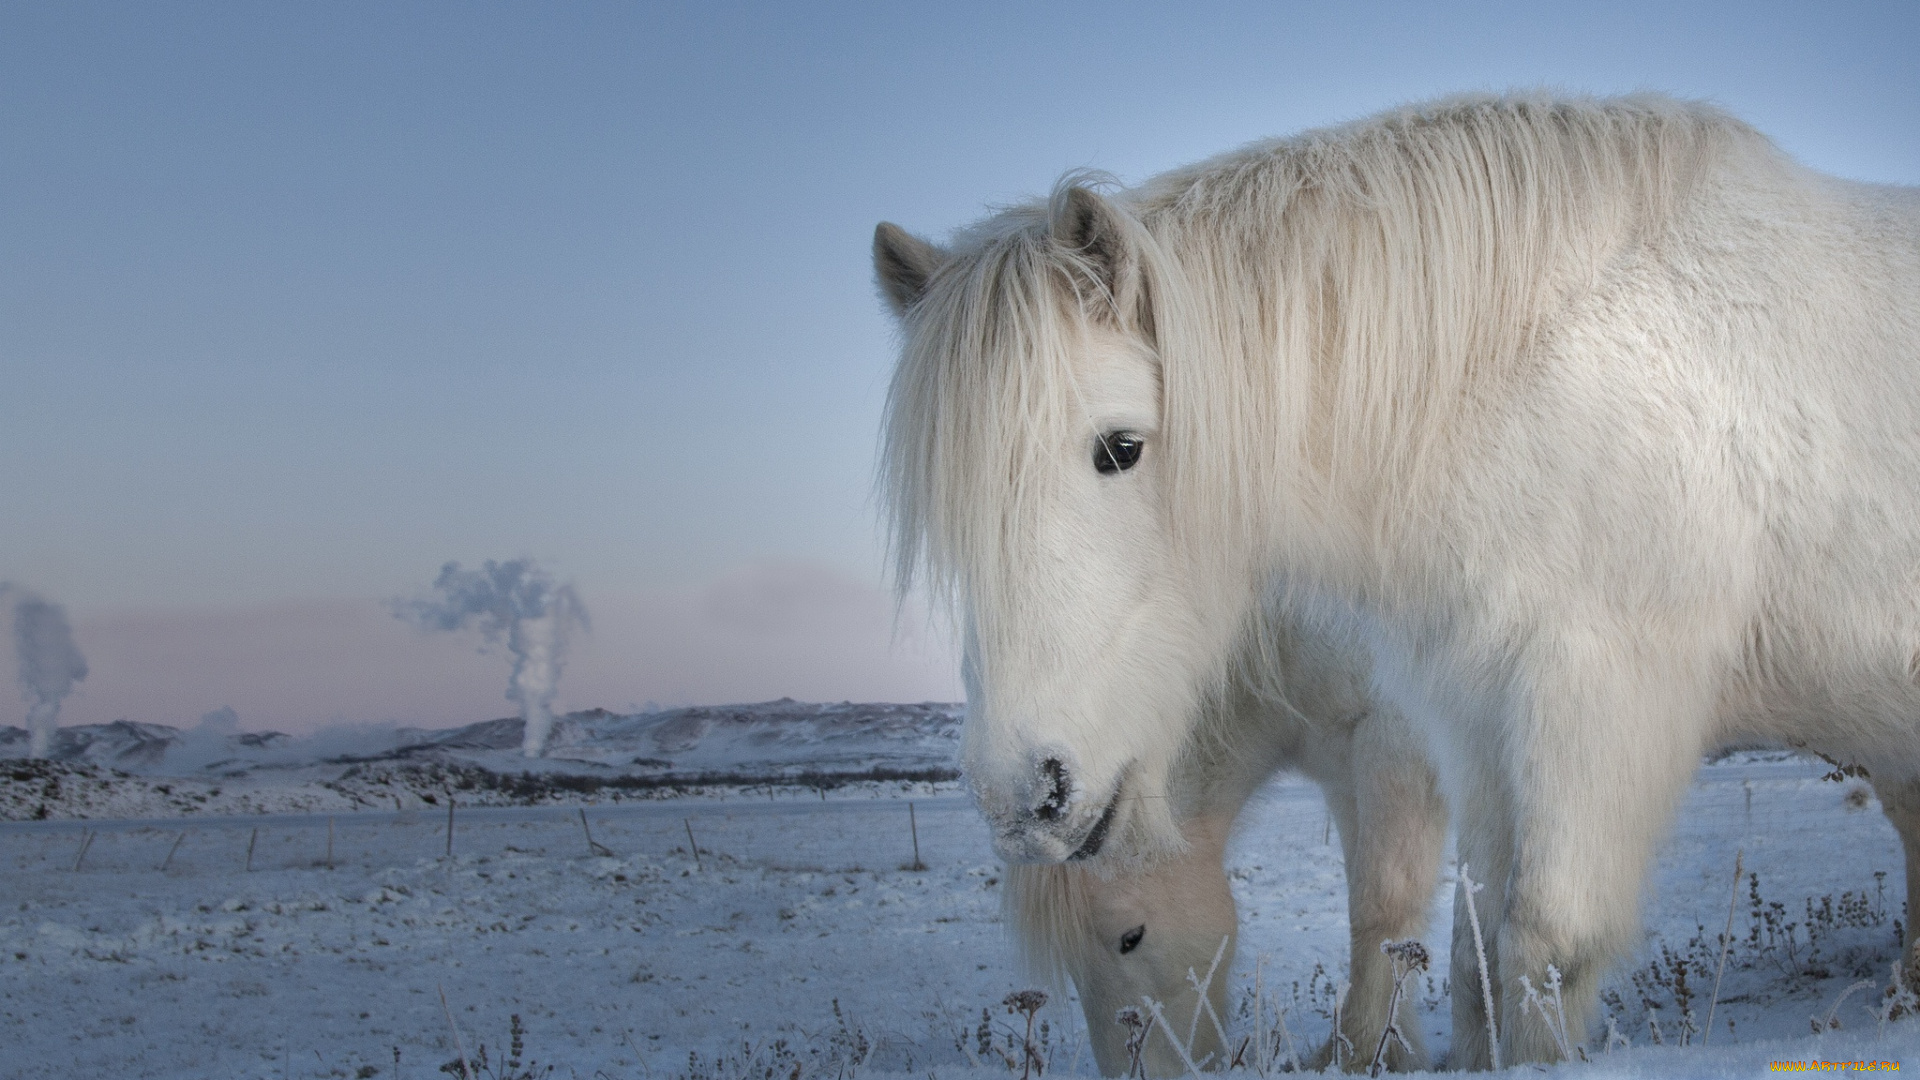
(1117, 451)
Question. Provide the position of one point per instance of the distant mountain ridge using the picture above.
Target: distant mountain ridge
(757, 740)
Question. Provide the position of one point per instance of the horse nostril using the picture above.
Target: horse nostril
(1053, 805)
(1130, 940)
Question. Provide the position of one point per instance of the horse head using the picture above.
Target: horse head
(1026, 479)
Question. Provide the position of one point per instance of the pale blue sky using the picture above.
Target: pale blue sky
(299, 301)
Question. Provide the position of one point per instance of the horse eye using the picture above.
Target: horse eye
(1117, 451)
(1130, 940)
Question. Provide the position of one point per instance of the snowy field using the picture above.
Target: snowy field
(802, 944)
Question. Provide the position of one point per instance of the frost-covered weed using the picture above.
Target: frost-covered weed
(1026, 1045)
(1790, 952)
(840, 1052)
(515, 1066)
(1265, 1042)
(1552, 1012)
(1267, 1045)
(1410, 960)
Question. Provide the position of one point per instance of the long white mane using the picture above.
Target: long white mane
(1318, 304)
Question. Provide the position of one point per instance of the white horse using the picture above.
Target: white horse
(1125, 930)
(1593, 425)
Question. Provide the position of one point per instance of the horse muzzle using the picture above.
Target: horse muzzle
(1054, 822)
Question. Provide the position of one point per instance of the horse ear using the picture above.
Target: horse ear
(1089, 226)
(903, 263)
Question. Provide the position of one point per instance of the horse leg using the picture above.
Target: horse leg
(1594, 767)
(1393, 866)
(1900, 801)
(1393, 827)
(1137, 935)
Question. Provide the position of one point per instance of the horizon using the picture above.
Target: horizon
(218, 719)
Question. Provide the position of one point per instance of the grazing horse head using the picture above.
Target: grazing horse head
(1026, 478)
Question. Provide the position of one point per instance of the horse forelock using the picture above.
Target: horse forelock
(985, 389)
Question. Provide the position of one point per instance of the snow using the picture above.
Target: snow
(799, 938)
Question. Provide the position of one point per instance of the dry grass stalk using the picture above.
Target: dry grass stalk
(1831, 1022)
(1468, 888)
(1186, 1058)
(1200, 987)
(1409, 959)
(1138, 1027)
(1726, 939)
(1555, 1019)
(466, 1069)
(1028, 1003)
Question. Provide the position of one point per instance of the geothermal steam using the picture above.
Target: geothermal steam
(49, 663)
(518, 601)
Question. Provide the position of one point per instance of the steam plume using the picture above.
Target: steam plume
(49, 663)
(517, 600)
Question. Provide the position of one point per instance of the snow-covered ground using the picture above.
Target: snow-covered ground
(231, 946)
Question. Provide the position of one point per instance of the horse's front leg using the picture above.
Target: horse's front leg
(1900, 801)
(1594, 763)
(1393, 828)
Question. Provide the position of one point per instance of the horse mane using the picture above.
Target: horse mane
(1050, 909)
(1323, 308)
(1341, 298)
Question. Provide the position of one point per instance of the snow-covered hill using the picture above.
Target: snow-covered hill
(126, 769)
